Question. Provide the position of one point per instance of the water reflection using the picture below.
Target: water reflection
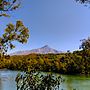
(7, 81)
(0, 84)
(76, 82)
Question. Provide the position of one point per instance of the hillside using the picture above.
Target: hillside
(43, 50)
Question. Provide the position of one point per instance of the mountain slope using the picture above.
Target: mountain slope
(43, 50)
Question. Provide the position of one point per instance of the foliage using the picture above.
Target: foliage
(13, 33)
(8, 5)
(83, 1)
(38, 81)
(77, 62)
(85, 45)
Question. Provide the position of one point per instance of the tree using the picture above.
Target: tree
(8, 5)
(38, 81)
(85, 45)
(13, 33)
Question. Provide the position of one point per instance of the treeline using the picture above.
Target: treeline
(77, 62)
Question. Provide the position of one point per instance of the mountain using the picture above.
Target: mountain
(43, 50)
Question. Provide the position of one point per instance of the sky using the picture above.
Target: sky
(61, 24)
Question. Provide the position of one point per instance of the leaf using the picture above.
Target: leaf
(12, 46)
(14, 1)
(4, 35)
(5, 15)
(19, 24)
(15, 7)
(1, 1)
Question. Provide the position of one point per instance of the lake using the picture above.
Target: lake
(7, 81)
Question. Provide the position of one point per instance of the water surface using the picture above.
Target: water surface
(76, 82)
(7, 81)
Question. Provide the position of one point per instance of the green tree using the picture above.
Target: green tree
(85, 45)
(13, 33)
(38, 81)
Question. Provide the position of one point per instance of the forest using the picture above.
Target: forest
(77, 62)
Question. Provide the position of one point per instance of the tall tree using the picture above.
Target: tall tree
(12, 32)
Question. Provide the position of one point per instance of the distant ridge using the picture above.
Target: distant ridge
(43, 50)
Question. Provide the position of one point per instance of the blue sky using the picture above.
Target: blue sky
(61, 24)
